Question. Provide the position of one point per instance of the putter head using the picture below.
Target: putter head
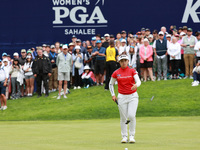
(127, 122)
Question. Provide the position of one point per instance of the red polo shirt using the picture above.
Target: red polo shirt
(125, 80)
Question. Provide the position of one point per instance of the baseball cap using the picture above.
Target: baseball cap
(89, 47)
(94, 38)
(185, 27)
(147, 29)
(64, 46)
(29, 51)
(123, 57)
(123, 41)
(150, 36)
(23, 51)
(52, 46)
(71, 44)
(182, 33)
(73, 36)
(146, 40)
(99, 41)
(44, 45)
(102, 38)
(4, 54)
(39, 48)
(123, 32)
(77, 47)
(160, 33)
(5, 59)
(142, 29)
(112, 36)
(106, 35)
(168, 35)
(78, 40)
(28, 56)
(189, 29)
(180, 28)
(176, 35)
(15, 54)
(61, 45)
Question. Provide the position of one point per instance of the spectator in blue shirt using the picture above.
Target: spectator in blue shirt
(99, 54)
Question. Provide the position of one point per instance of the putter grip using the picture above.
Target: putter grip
(116, 102)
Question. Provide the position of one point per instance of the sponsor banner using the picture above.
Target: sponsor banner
(30, 23)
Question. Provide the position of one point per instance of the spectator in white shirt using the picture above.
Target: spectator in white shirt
(174, 51)
(123, 48)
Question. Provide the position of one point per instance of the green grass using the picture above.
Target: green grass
(162, 133)
(172, 98)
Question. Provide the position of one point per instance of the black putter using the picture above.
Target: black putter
(127, 121)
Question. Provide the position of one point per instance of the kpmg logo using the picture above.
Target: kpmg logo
(191, 10)
(74, 15)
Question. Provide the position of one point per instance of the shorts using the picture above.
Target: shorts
(64, 76)
(29, 77)
(146, 64)
(2, 88)
(99, 67)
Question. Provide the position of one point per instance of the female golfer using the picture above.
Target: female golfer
(128, 81)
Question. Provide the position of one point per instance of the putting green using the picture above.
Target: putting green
(166, 133)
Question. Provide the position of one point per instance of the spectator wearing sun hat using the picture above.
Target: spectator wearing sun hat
(88, 77)
(188, 43)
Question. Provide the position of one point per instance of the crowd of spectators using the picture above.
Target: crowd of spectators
(156, 55)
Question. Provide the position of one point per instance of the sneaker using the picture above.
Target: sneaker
(97, 84)
(1, 108)
(191, 77)
(195, 83)
(58, 97)
(165, 79)
(87, 86)
(5, 107)
(185, 77)
(101, 84)
(158, 79)
(64, 96)
(75, 88)
(131, 139)
(124, 139)
(79, 87)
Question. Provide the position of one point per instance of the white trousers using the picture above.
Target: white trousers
(128, 104)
